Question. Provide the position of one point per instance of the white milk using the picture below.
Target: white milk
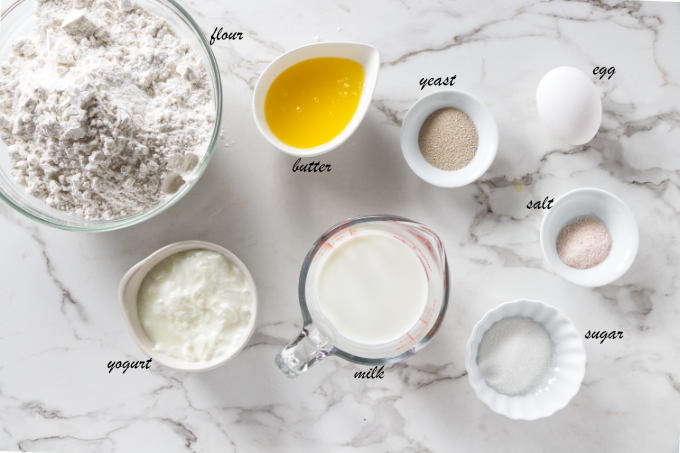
(372, 288)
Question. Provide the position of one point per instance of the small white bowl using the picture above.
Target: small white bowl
(481, 116)
(608, 209)
(364, 54)
(563, 379)
(127, 297)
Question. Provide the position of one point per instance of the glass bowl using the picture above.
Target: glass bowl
(14, 22)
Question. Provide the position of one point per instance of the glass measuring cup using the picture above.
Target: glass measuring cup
(319, 338)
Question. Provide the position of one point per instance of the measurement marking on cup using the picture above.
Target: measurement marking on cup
(423, 321)
(409, 335)
(402, 347)
(425, 242)
(422, 263)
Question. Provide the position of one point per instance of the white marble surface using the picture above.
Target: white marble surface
(60, 322)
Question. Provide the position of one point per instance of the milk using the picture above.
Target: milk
(372, 287)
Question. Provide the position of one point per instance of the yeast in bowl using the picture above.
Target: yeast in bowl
(476, 130)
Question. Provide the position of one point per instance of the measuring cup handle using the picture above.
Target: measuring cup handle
(306, 350)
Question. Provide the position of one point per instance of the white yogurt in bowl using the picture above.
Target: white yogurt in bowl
(195, 305)
(191, 305)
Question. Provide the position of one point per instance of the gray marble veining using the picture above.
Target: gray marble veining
(60, 322)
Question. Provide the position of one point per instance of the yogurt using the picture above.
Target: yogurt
(195, 306)
(372, 288)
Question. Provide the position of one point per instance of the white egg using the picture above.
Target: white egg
(569, 104)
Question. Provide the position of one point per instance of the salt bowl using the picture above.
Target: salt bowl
(604, 207)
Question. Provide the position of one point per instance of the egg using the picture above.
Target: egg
(569, 105)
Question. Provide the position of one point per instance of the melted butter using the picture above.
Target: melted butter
(312, 102)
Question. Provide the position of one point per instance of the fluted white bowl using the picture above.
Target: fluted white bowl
(563, 378)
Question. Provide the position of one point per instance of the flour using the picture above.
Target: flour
(104, 109)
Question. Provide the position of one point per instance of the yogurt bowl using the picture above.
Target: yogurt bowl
(364, 54)
(128, 296)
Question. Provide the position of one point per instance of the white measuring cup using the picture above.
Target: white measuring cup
(319, 338)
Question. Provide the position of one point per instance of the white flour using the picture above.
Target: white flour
(105, 110)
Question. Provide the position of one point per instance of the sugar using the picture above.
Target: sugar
(584, 243)
(515, 355)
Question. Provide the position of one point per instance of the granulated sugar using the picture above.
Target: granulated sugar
(514, 355)
(448, 139)
(584, 243)
(104, 109)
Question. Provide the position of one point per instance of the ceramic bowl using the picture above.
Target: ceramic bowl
(364, 54)
(561, 382)
(608, 209)
(480, 115)
(127, 297)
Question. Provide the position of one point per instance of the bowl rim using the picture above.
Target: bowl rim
(359, 114)
(116, 224)
(147, 264)
(591, 273)
(486, 393)
(454, 180)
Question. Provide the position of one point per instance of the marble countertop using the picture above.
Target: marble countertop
(60, 322)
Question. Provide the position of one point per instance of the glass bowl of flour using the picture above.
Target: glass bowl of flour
(109, 110)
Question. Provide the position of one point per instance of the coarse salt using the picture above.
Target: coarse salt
(584, 243)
